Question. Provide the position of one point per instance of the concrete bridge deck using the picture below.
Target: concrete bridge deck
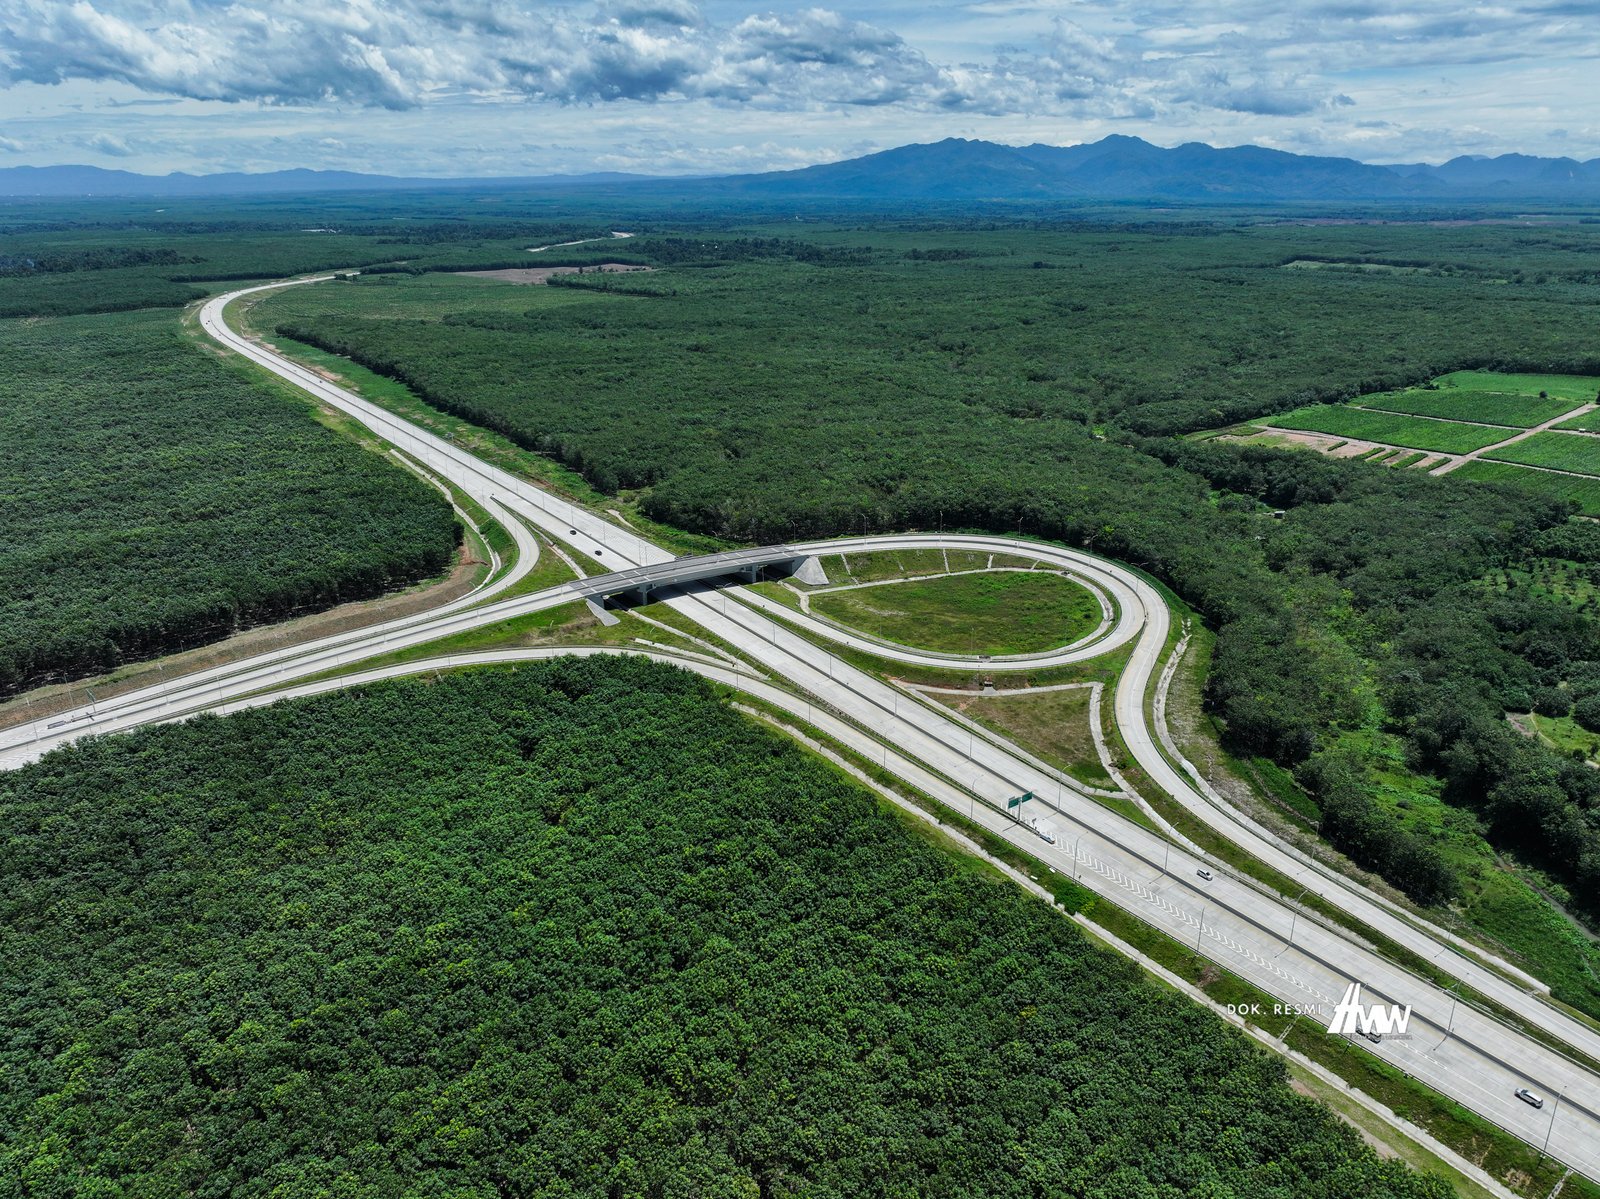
(636, 584)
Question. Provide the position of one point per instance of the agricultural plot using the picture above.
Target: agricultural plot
(1483, 407)
(1585, 492)
(1577, 388)
(1402, 461)
(1589, 422)
(1557, 451)
(1412, 432)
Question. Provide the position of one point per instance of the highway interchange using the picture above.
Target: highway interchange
(784, 658)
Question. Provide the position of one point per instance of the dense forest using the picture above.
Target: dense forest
(154, 499)
(1014, 386)
(778, 381)
(75, 267)
(576, 929)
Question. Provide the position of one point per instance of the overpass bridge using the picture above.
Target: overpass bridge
(635, 585)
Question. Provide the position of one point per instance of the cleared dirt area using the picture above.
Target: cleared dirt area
(1333, 447)
(540, 274)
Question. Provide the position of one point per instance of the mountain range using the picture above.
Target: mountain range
(79, 181)
(1114, 168)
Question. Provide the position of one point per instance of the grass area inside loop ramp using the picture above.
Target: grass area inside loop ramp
(1002, 612)
(577, 929)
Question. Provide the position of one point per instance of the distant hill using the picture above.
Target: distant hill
(97, 181)
(1129, 168)
(1514, 173)
(1114, 168)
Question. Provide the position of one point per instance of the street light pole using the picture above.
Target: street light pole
(1552, 1125)
(1202, 931)
(1451, 1023)
(1294, 910)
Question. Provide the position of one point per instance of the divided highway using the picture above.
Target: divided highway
(1256, 934)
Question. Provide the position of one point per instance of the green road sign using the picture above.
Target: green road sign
(1019, 800)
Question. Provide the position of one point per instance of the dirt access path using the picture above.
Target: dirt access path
(1522, 436)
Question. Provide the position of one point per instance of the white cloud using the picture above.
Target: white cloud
(721, 78)
(404, 53)
(105, 143)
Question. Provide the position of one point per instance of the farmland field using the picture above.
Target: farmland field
(1485, 407)
(1589, 422)
(1558, 451)
(1580, 389)
(1586, 492)
(1415, 433)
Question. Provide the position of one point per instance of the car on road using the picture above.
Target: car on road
(1204, 874)
(1529, 1097)
(1371, 1036)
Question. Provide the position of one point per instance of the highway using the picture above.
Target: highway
(1266, 939)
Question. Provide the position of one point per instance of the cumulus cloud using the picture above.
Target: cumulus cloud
(105, 143)
(1279, 70)
(11, 146)
(401, 54)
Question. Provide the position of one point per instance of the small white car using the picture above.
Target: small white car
(1204, 873)
(1529, 1097)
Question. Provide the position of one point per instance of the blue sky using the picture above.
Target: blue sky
(471, 87)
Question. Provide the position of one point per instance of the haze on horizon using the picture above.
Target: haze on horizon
(490, 87)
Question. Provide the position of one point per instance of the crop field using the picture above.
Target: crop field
(1403, 460)
(1415, 433)
(1559, 451)
(1584, 492)
(1588, 422)
(1579, 389)
(1007, 612)
(1485, 407)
